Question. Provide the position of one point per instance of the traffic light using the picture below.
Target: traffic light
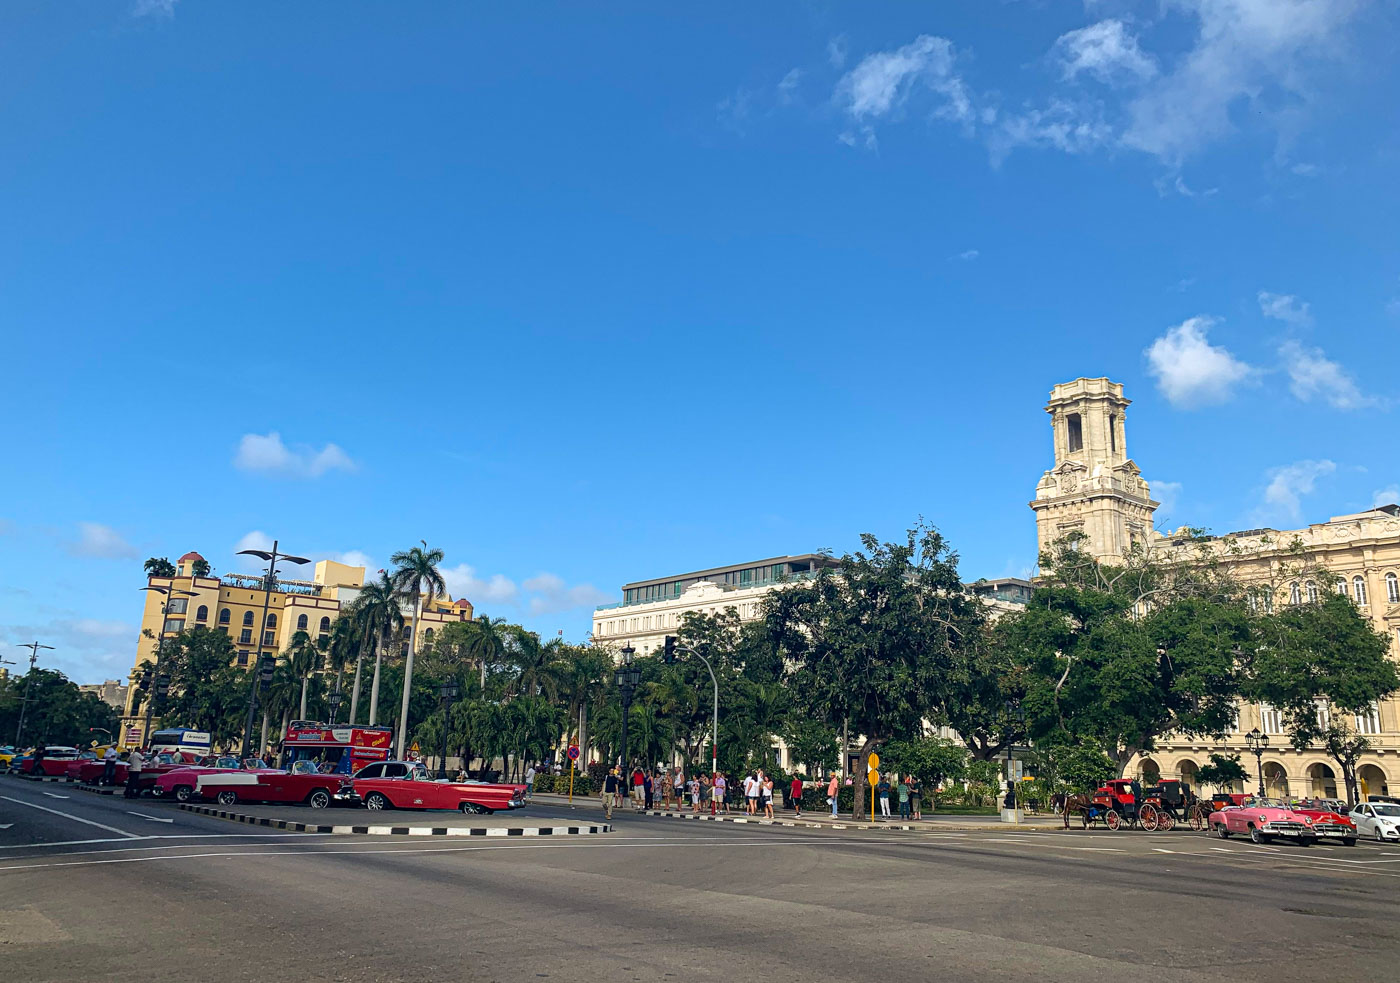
(668, 653)
(144, 683)
(162, 686)
(267, 665)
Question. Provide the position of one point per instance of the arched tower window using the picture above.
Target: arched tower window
(1295, 595)
(1074, 432)
(301, 622)
(271, 620)
(248, 618)
(1392, 588)
(1312, 592)
(224, 616)
(1358, 586)
(201, 613)
(325, 625)
(1113, 433)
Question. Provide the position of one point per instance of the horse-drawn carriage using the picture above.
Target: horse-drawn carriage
(1124, 804)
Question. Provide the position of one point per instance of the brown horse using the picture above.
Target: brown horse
(1065, 804)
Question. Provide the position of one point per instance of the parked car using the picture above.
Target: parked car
(8, 754)
(1328, 823)
(1262, 819)
(1378, 820)
(302, 783)
(54, 763)
(407, 785)
(179, 783)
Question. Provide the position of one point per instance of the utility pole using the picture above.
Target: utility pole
(34, 648)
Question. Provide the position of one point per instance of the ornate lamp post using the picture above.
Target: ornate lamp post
(628, 678)
(1014, 712)
(447, 693)
(1258, 742)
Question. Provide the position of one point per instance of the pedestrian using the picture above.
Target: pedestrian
(639, 778)
(667, 789)
(612, 786)
(530, 774)
(134, 763)
(882, 792)
(646, 791)
(109, 766)
(903, 794)
(752, 787)
(916, 796)
(796, 792)
(694, 789)
(832, 788)
(721, 794)
(767, 796)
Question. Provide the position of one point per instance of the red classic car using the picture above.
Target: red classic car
(179, 783)
(303, 783)
(407, 785)
(1328, 824)
(54, 763)
(90, 772)
(1263, 819)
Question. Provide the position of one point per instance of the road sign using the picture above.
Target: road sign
(873, 777)
(414, 749)
(874, 761)
(573, 752)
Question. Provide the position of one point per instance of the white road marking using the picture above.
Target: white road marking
(66, 815)
(6, 825)
(53, 796)
(154, 819)
(1157, 849)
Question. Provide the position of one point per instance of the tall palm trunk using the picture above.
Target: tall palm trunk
(408, 675)
(374, 685)
(355, 694)
(304, 680)
(262, 744)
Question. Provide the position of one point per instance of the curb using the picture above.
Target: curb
(401, 830)
(101, 789)
(37, 778)
(757, 821)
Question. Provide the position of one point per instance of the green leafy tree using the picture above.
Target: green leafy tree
(58, 712)
(1082, 768)
(416, 578)
(199, 567)
(207, 692)
(379, 616)
(934, 760)
(812, 743)
(305, 658)
(486, 641)
(1223, 773)
(159, 566)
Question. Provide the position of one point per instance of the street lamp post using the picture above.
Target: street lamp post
(1013, 709)
(157, 675)
(334, 701)
(447, 693)
(269, 582)
(714, 732)
(1258, 742)
(34, 648)
(628, 677)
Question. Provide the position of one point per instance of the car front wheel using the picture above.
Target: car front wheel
(182, 793)
(1257, 837)
(319, 799)
(376, 801)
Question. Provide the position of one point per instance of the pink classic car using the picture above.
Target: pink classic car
(1263, 819)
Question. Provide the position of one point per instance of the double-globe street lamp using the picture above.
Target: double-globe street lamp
(627, 677)
(447, 693)
(1258, 742)
(269, 582)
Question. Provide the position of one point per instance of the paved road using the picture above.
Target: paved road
(672, 900)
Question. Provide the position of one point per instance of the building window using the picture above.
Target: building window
(1113, 433)
(271, 620)
(1342, 586)
(177, 605)
(1312, 592)
(1270, 720)
(1359, 587)
(427, 636)
(1074, 431)
(325, 624)
(301, 622)
(245, 637)
(269, 639)
(224, 616)
(1370, 721)
(202, 613)
(1295, 594)
(248, 618)
(1324, 714)
(1392, 588)
(174, 624)
(243, 658)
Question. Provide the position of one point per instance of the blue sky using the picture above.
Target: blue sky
(584, 294)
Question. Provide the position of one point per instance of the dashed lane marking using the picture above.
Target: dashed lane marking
(66, 815)
(154, 819)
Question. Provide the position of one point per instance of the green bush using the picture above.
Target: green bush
(559, 784)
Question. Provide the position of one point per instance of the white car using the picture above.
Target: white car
(1380, 820)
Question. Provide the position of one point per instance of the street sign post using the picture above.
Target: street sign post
(573, 760)
(872, 779)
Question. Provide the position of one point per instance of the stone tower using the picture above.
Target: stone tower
(1094, 488)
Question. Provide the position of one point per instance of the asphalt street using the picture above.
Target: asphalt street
(98, 888)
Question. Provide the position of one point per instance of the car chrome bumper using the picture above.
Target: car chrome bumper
(1301, 832)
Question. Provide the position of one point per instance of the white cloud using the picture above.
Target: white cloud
(1071, 127)
(1105, 50)
(1168, 494)
(95, 539)
(154, 8)
(1311, 374)
(1285, 307)
(1242, 49)
(883, 83)
(1287, 485)
(267, 454)
(462, 581)
(836, 51)
(86, 650)
(549, 594)
(1390, 495)
(255, 540)
(353, 558)
(1192, 372)
(787, 87)
(967, 255)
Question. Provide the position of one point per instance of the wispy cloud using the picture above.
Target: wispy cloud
(882, 84)
(104, 542)
(967, 255)
(1389, 495)
(1286, 487)
(86, 650)
(1105, 50)
(1286, 308)
(544, 593)
(267, 454)
(549, 593)
(1190, 371)
(154, 8)
(1167, 494)
(1312, 375)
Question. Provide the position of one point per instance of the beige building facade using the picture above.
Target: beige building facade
(1360, 554)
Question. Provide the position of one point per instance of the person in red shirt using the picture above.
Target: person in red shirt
(796, 792)
(639, 779)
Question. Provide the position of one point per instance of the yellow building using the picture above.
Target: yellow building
(235, 603)
(1096, 489)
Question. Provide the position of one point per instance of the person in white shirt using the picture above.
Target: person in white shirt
(109, 765)
(529, 783)
(134, 763)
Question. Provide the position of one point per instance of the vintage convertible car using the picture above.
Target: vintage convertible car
(1328, 823)
(179, 783)
(54, 763)
(1262, 819)
(407, 785)
(90, 772)
(303, 783)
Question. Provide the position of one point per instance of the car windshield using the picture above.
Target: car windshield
(226, 763)
(303, 768)
(1262, 803)
(419, 773)
(1389, 811)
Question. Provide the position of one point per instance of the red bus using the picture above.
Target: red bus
(338, 750)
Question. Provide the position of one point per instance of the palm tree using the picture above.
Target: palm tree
(583, 680)
(199, 567)
(280, 697)
(159, 567)
(343, 642)
(378, 613)
(417, 578)
(489, 639)
(305, 658)
(537, 665)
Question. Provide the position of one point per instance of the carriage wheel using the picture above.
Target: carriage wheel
(1148, 817)
(1198, 818)
(1112, 820)
(1167, 823)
